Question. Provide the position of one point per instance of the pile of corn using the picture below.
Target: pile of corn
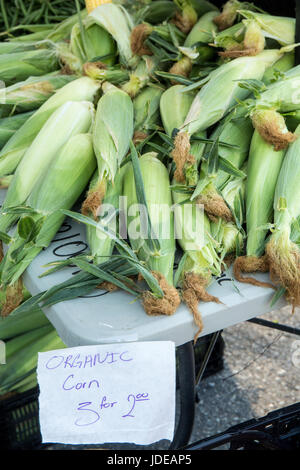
(191, 112)
(22, 337)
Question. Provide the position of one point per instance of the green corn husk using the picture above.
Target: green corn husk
(25, 361)
(19, 342)
(147, 109)
(263, 169)
(9, 125)
(282, 253)
(18, 66)
(11, 47)
(68, 120)
(157, 12)
(230, 235)
(82, 89)
(276, 71)
(236, 132)
(293, 120)
(118, 23)
(101, 245)
(112, 132)
(209, 107)
(186, 17)
(230, 37)
(141, 75)
(27, 383)
(59, 187)
(200, 260)
(33, 92)
(174, 106)
(5, 181)
(203, 30)
(96, 43)
(279, 97)
(159, 201)
(282, 29)
(62, 31)
(203, 6)
(18, 324)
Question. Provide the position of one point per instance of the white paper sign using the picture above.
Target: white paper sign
(122, 392)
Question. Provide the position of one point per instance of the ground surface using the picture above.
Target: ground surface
(261, 374)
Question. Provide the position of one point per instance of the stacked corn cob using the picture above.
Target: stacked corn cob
(180, 108)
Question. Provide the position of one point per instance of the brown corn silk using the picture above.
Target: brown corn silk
(168, 304)
(138, 36)
(181, 155)
(251, 264)
(93, 201)
(271, 126)
(194, 291)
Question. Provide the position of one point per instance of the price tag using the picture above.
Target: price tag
(100, 394)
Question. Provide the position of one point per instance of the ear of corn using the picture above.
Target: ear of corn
(112, 132)
(200, 259)
(236, 132)
(101, 245)
(209, 107)
(263, 169)
(92, 4)
(96, 43)
(24, 361)
(157, 12)
(18, 324)
(117, 22)
(283, 254)
(279, 97)
(58, 187)
(159, 201)
(284, 64)
(17, 66)
(146, 109)
(174, 107)
(33, 92)
(282, 29)
(203, 30)
(70, 119)
(82, 89)
(21, 341)
(9, 125)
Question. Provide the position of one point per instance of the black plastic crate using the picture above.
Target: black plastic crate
(278, 430)
(19, 421)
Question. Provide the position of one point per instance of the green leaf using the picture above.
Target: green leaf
(97, 272)
(5, 238)
(151, 240)
(279, 293)
(229, 168)
(26, 226)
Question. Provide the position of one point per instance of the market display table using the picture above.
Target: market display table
(106, 318)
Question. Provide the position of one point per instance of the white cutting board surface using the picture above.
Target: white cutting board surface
(104, 317)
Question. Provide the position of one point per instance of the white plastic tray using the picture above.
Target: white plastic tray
(117, 317)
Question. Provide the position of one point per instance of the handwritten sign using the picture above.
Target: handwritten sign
(100, 394)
